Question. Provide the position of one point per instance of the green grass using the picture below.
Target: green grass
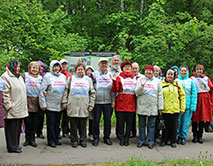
(138, 162)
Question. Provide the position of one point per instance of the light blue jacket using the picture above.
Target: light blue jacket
(190, 90)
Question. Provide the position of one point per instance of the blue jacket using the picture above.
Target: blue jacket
(190, 90)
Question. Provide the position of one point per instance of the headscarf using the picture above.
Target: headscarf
(12, 66)
(180, 77)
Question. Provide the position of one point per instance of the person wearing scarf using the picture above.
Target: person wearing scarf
(204, 103)
(50, 100)
(158, 72)
(174, 103)
(191, 103)
(14, 104)
(149, 102)
(32, 80)
(125, 85)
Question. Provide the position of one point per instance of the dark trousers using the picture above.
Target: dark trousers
(31, 126)
(79, 125)
(124, 119)
(197, 129)
(133, 130)
(171, 123)
(107, 112)
(53, 122)
(12, 133)
(65, 123)
(90, 127)
(40, 122)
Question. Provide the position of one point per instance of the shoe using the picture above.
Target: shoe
(52, 145)
(122, 142)
(200, 140)
(162, 144)
(26, 143)
(194, 140)
(15, 151)
(183, 141)
(126, 142)
(140, 144)
(83, 144)
(108, 141)
(95, 142)
(179, 140)
(40, 136)
(33, 144)
(74, 144)
(58, 143)
(19, 147)
(173, 145)
(150, 146)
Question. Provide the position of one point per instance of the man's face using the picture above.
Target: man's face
(115, 61)
(135, 69)
(64, 66)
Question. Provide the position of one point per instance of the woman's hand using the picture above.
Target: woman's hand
(44, 109)
(113, 78)
(90, 108)
(64, 105)
(143, 81)
(113, 104)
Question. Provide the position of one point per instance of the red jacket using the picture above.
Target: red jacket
(66, 73)
(125, 100)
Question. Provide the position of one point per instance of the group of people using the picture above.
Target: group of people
(86, 94)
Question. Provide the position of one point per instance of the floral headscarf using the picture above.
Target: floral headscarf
(12, 66)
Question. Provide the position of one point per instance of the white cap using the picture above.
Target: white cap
(87, 67)
(63, 61)
(102, 59)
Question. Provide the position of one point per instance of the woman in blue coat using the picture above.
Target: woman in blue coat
(191, 103)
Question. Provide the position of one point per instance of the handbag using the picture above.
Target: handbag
(161, 123)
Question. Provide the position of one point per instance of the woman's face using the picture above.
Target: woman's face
(199, 71)
(156, 72)
(127, 68)
(183, 71)
(18, 68)
(56, 68)
(148, 73)
(89, 72)
(80, 71)
(34, 69)
(170, 75)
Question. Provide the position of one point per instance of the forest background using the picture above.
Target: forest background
(157, 32)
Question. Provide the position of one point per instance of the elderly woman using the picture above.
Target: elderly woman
(149, 102)
(32, 81)
(204, 103)
(191, 103)
(50, 99)
(174, 103)
(14, 104)
(125, 85)
(79, 98)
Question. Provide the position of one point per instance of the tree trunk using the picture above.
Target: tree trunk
(142, 7)
(69, 11)
(122, 5)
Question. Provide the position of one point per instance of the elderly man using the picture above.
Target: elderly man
(114, 67)
(104, 102)
(65, 119)
(135, 71)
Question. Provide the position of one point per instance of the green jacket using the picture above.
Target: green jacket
(174, 99)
